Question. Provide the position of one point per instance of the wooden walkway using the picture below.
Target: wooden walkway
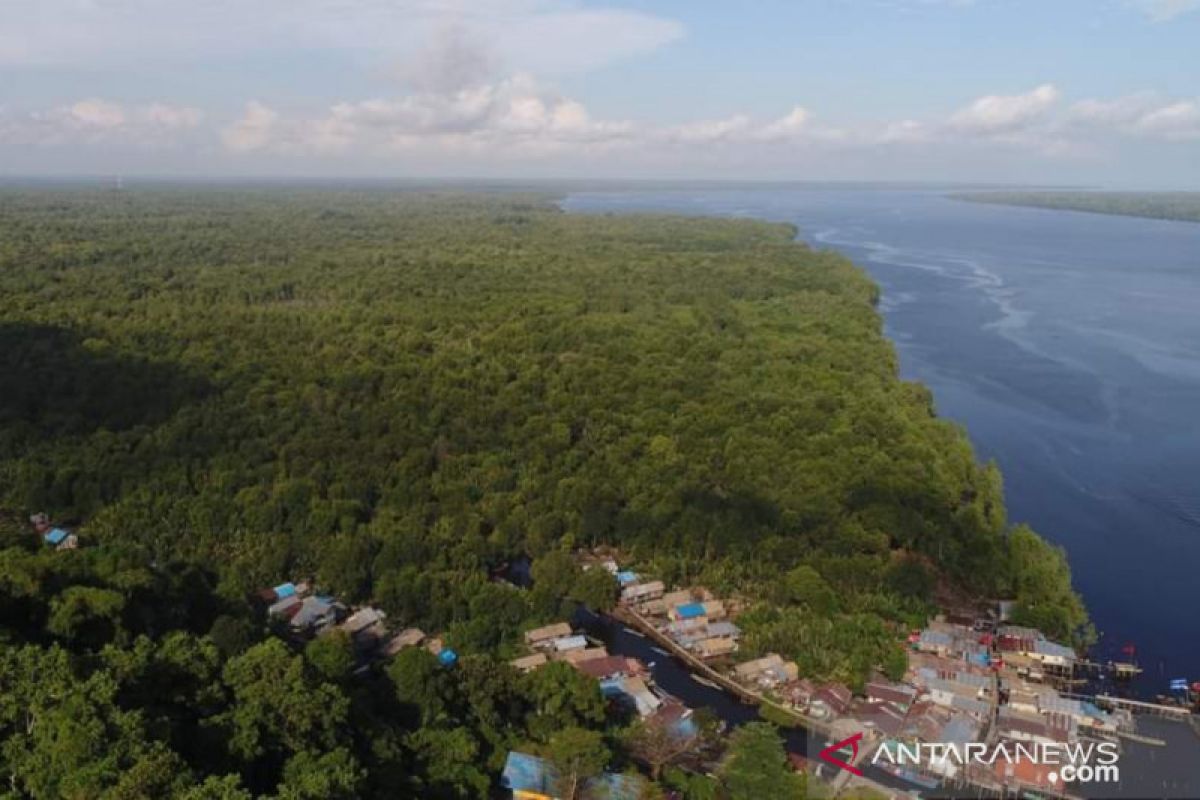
(1142, 707)
(743, 693)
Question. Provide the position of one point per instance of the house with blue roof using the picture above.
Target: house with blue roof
(687, 611)
(60, 539)
(529, 777)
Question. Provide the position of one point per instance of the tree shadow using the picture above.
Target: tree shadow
(54, 383)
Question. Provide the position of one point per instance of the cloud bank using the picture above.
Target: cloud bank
(474, 121)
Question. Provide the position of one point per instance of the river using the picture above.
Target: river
(673, 677)
(1068, 344)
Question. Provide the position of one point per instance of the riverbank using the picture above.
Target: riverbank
(1065, 345)
(965, 681)
(1177, 206)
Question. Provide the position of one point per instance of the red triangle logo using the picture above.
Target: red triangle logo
(828, 754)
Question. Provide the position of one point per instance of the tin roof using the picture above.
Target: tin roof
(690, 610)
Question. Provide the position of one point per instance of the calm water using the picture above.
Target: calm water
(1068, 344)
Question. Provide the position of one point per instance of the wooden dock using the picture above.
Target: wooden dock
(640, 624)
(1142, 707)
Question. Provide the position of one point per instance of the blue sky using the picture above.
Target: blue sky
(1101, 92)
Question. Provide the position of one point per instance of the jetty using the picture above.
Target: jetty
(1143, 707)
(711, 677)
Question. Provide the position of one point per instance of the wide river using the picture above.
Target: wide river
(1068, 344)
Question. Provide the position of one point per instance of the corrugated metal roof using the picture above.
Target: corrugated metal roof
(570, 643)
(1046, 647)
(526, 773)
(690, 610)
(727, 629)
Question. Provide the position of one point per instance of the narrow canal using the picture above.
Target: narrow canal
(674, 678)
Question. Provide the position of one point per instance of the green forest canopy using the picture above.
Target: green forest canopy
(397, 392)
(1183, 206)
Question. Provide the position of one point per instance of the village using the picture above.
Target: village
(967, 680)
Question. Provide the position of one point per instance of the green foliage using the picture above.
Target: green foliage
(421, 686)
(804, 586)
(226, 787)
(1184, 206)
(1044, 596)
(278, 705)
(331, 655)
(909, 577)
(596, 589)
(756, 766)
(86, 614)
(334, 775)
(576, 755)
(692, 785)
(844, 648)
(561, 697)
(778, 717)
(418, 383)
(398, 393)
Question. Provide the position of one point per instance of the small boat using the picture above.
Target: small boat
(633, 632)
(705, 681)
(660, 651)
(1123, 670)
(924, 781)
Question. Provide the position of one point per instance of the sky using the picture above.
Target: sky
(1095, 92)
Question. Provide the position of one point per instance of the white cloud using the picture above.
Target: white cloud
(1175, 121)
(791, 125)
(537, 35)
(1165, 10)
(518, 122)
(906, 131)
(519, 117)
(98, 121)
(740, 128)
(255, 130)
(516, 113)
(1138, 115)
(171, 117)
(1006, 114)
(95, 113)
(708, 131)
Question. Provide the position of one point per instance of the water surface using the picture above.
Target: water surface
(1068, 344)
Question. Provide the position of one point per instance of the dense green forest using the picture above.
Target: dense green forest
(397, 393)
(1184, 206)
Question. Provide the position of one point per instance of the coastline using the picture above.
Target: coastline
(1084, 422)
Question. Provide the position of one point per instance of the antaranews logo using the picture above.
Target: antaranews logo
(830, 754)
(1086, 762)
(1056, 763)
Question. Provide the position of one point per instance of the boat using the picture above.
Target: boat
(704, 681)
(1122, 670)
(924, 781)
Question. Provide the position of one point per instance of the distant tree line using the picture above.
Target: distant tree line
(1183, 206)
